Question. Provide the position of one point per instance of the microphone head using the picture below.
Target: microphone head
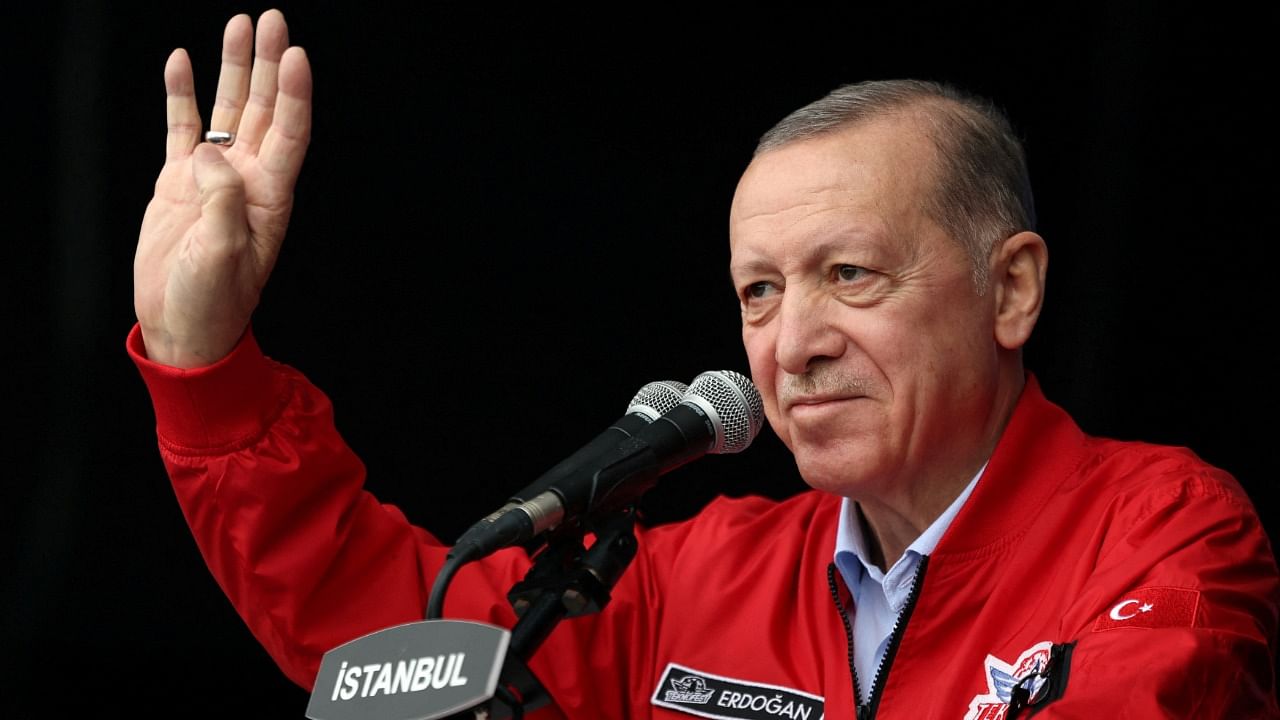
(657, 398)
(734, 406)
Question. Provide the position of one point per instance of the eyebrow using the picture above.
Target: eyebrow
(751, 267)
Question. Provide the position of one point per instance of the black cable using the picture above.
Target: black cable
(435, 602)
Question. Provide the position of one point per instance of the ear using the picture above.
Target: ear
(1017, 278)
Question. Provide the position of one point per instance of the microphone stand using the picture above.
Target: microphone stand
(567, 579)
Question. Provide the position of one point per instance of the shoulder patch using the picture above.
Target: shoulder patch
(714, 696)
(1151, 607)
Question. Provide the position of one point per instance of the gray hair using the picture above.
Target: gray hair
(983, 192)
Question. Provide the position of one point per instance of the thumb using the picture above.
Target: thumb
(221, 192)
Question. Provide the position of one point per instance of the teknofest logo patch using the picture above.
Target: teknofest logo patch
(689, 689)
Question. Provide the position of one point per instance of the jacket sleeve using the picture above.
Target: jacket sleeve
(310, 560)
(1178, 617)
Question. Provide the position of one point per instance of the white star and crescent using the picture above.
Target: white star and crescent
(1117, 612)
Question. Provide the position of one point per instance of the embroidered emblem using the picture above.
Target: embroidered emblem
(1151, 607)
(714, 696)
(1002, 677)
(689, 689)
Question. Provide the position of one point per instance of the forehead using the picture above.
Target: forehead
(871, 177)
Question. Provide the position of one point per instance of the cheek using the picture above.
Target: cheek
(956, 345)
(764, 373)
(933, 365)
(760, 356)
(882, 348)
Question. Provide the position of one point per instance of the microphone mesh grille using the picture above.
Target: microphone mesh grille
(737, 403)
(657, 398)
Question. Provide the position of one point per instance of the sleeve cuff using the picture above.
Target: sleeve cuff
(219, 407)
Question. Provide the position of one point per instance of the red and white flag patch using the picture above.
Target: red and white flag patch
(1151, 607)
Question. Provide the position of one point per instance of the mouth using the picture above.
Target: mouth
(818, 401)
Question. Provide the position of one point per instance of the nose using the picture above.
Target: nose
(805, 333)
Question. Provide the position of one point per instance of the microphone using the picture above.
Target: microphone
(650, 402)
(720, 413)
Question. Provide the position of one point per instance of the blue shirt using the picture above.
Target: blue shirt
(879, 597)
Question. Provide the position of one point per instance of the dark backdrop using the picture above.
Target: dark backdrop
(509, 222)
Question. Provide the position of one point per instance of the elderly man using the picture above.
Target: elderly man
(968, 552)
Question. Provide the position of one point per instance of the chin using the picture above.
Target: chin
(838, 473)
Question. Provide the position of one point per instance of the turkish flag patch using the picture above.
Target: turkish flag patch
(1151, 607)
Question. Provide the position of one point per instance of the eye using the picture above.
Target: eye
(850, 273)
(758, 290)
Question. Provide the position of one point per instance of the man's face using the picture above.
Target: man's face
(873, 353)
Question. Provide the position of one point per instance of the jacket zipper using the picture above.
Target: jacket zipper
(868, 710)
(848, 635)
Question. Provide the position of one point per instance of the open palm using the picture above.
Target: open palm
(212, 232)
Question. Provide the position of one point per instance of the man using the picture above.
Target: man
(969, 552)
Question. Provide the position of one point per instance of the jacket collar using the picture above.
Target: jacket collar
(1038, 450)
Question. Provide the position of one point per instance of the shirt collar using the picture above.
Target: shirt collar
(851, 542)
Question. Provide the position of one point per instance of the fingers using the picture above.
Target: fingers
(285, 143)
(267, 103)
(273, 38)
(222, 206)
(233, 80)
(180, 104)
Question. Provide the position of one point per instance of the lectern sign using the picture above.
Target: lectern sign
(418, 671)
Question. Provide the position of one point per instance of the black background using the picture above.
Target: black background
(509, 221)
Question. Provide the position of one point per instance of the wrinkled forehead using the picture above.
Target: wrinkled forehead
(877, 173)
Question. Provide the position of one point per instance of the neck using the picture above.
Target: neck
(890, 531)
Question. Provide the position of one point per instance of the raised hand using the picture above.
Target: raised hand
(212, 232)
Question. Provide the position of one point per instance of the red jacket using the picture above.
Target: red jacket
(1142, 572)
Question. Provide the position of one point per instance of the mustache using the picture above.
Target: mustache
(821, 380)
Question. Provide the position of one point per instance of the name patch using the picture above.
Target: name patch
(714, 696)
